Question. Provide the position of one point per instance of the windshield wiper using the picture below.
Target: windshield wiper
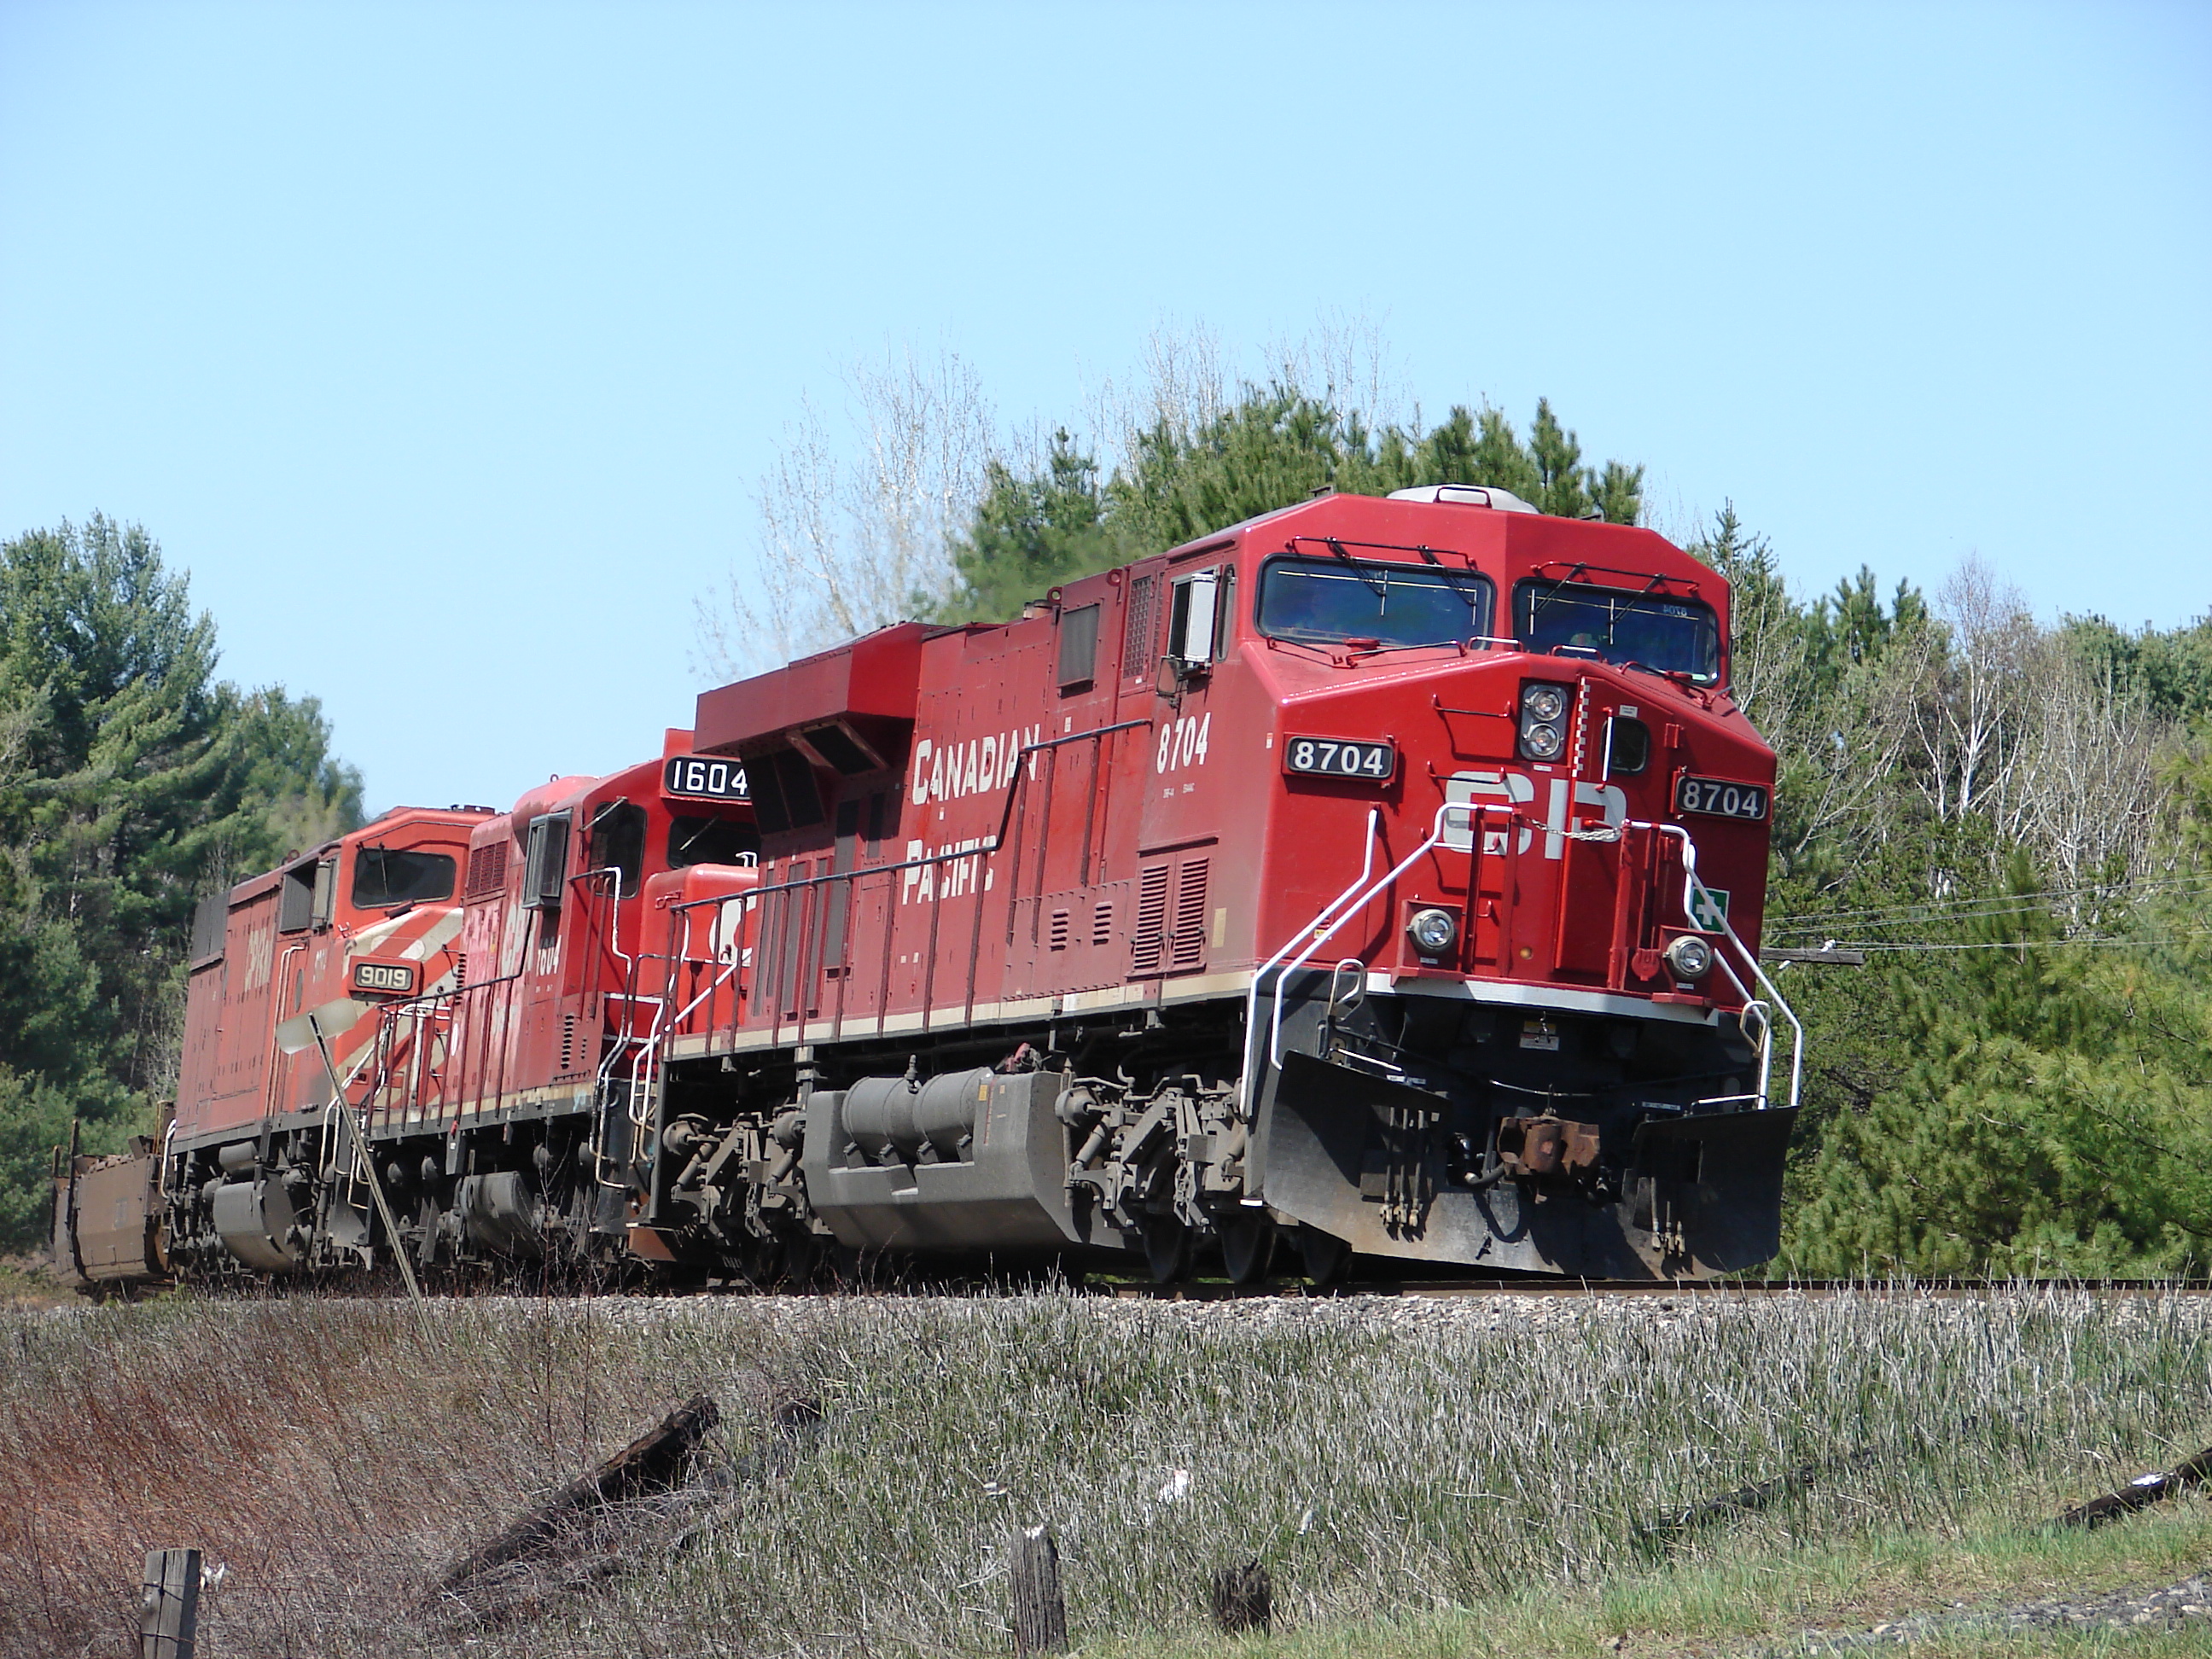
(1683, 676)
(1379, 588)
(1470, 596)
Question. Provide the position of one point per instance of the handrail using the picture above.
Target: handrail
(1692, 886)
(1474, 809)
(1252, 995)
(984, 848)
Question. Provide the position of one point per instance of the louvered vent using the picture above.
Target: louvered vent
(487, 869)
(568, 1043)
(1190, 913)
(1102, 922)
(1137, 635)
(1146, 945)
(1059, 927)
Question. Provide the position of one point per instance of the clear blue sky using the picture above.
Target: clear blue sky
(443, 344)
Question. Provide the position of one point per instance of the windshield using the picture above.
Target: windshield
(1379, 604)
(1676, 637)
(383, 877)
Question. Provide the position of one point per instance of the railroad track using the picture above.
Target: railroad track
(1408, 1289)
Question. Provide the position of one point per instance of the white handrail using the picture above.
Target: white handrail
(1474, 809)
(645, 1063)
(1692, 886)
(1251, 996)
(1347, 904)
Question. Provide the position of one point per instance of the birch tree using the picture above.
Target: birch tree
(855, 516)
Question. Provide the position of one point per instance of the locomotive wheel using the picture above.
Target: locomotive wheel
(1324, 1254)
(1248, 1248)
(1168, 1249)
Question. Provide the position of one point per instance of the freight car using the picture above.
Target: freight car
(1378, 876)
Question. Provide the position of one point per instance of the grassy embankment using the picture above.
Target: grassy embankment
(1420, 1479)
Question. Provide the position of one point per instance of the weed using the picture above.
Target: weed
(1433, 1464)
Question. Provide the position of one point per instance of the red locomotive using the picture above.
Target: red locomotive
(1380, 876)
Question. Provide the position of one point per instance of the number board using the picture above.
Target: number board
(1340, 757)
(1718, 797)
(387, 978)
(703, 777)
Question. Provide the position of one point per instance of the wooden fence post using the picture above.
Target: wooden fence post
(170, 1611)
(1243, 1599)
(1040, 1612)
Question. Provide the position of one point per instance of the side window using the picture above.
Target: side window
(711, 840)
(618, 842)
(1628, 746)
(546, 863)
(295, 904)
(304, 901)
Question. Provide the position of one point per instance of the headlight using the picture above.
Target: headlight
(1541, 741)
(1689, 957)
(1543, 702)
(1543, 709)
(1432, 932)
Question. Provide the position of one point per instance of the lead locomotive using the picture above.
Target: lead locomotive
(1378, 876)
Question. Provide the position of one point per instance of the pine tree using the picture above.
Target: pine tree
(132, 782)
(1273, 447)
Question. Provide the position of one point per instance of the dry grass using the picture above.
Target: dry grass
(1459, 1472)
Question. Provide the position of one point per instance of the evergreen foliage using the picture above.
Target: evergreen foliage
(2015, 823)
(1275, 446)
(132, 782)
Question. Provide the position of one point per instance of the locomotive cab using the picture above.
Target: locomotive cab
(290, 973)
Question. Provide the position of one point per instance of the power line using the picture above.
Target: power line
(2035, 944)
(2159, 884)
(1993, 905)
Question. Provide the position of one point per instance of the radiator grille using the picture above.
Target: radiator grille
(1137, 635)
(1189, 949)
(1146, 944)
(487, 870)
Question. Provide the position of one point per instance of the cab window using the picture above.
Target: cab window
(1575, 619)
(384, 876)
(618, 842)
(711, 840)
(1371, 603)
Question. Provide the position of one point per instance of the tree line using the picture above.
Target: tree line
(132, 782)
